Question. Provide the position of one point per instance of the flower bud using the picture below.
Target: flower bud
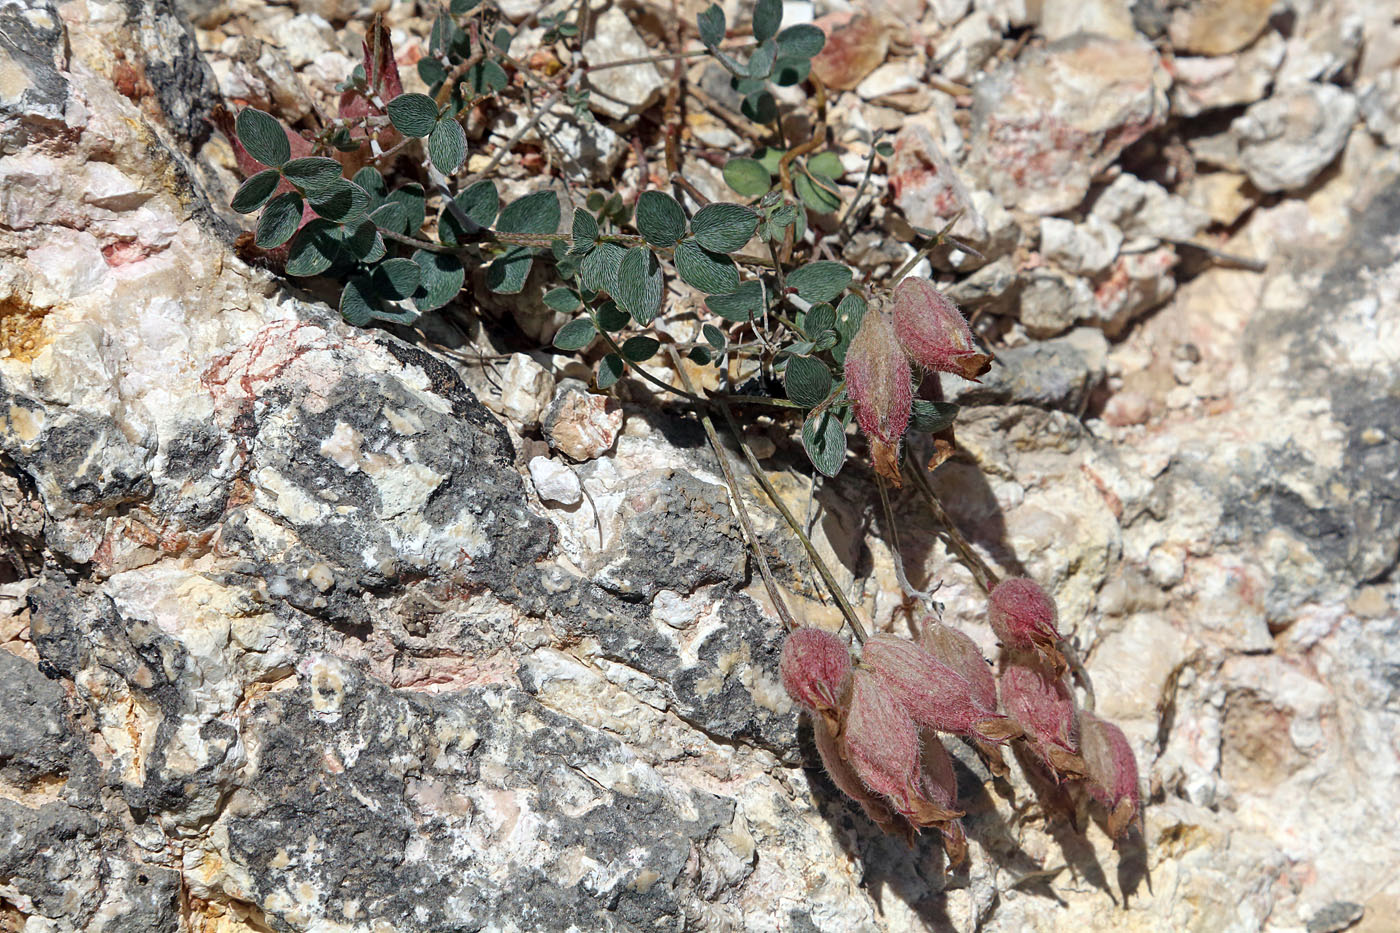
(815, 667)
(878, 381)
(882, 745)
(1111, 770)
(933, 332)
(935, 695)
(1040, 702)
(1022, 614)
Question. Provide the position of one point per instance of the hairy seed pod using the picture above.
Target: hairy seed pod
(940, 785)
(1111, 771)
(933, 332)
(935, 695)
(1037, 698)
(1022, 614)
(878, 381)
(833, 757)
(815, 667)
(958, 651)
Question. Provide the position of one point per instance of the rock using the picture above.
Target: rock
(1043, 126)
(1010, 14)
(618, 93)
(1144, 210)
(1137, 282)
(1051, 302)
(526, 388)
(306, 37)
(1287, 140)
(855, 46)
(588, 151)
(1083, 249)
(927, 188)
(949, 12)
(968, 46)
(1057, 373)
(1204, 84)
(992, 287)
(580, 424)
(34, 91)
(1380, 106)
(1221, 195)
(889, 79)
(1218, 27)
(1112, 19)
(1321, 50)
(555, 482)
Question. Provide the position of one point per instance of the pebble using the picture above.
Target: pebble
(1287, 140)
(555, 482)
(620, 92)
(580, 424)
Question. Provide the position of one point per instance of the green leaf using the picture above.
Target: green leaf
(534, 213)
(507, 273)
(362, 241)
(769, 158)
(711, 273)
(431, 71)
(885, 149)
(563, 300)
(820, 281)
(760, 107)
(789, 71)
(396, 278)
(389, 216)
(801, 41)
(639, 285)
(849, 313)
(585, 231)
(932, 417)
(767, 17)
(369, 179)
(314, 248)
(254, 192)
(700, 355)
(447, 146)
(762, 60)
(486, 78)
(575, 335)
(610, 369)
(263, 137)
(640, 349)
(741, 305)
(819, 319)
(817, 192)
(660, 218)
(826, 163)
(713, 336)
(502, 39)
(313, 174)
(824, 439)
(599, 268)
(411, 198)
(611, 318)
(413, 114)
(341, 201)
(807, 380)
(357, 301)
(724, 228)
(747, 176)
(480, 203)
(712, 25)
(279, 220)
(440, 279)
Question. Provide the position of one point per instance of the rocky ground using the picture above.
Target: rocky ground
(310, 628)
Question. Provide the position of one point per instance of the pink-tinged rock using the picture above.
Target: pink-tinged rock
(580, 424)
(855, 46)
(1203, 83)
(1135, 283)
(928, 189)
(1045, 125)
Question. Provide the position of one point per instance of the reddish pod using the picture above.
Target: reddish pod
(935, 695)
(1022, 614)
(1037, 698)
(1111, 771)
(940, 785)
(879, 383)
(933, 332)
(815, 668)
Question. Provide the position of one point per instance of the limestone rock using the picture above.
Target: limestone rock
(580, 424)
(555, 482)
(1218, 27)
(1110, 18)
(1144, 210)
(1287, 140)
(1083, 249)
(928, 189)
(620, 92)
(1204, 84)
(855, 46)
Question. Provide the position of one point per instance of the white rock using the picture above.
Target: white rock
(305, 37)
(968, 46)
(620, 92)
(948, 12)
(927, 188)
(106, 186)
(1228, 80)
(589, 150)
(1009, 13)
(1144, 209)
(1111, 18)
(526, 389)
(1287, 140)
(1380, 105)
(580, 424)
(555, 482)
(1083, 249)
(890, 78)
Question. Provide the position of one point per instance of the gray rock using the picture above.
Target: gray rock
(620, 92)
(1083, 249)
(1285, 141)
(1146, 210)
(1380, 106)
(1057, 374)
(31, 104)
(1051, 302)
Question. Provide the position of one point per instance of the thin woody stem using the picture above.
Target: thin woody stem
(985, 576)
(779, 604)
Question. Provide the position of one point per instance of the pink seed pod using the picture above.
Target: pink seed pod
(1040, 702)
(844, 777)
(941, 787)
(933, 332)
(955, 649)
(1111, 770)
(815, 667)
(879, 383)
(1022, 614)
(935, 695)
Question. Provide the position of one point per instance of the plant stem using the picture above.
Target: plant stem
(661, 59)
(985, 576)
(648, 376)
(779, 604)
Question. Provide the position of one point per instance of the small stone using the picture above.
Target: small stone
(1221, 195)
(855, 46)
(1110, 18)
(1179, 397)
(1287, 140)
(1043, 126)
(1125, 409)
(1052, 374)
(1336, 917)
(1146, 210)
(1083, 249)
(588, 150)
(526, 389)
(305, 37)
(927, 188)
(1226, 81)
(1052, 301)
(555, 482)
(620, 92)
(1137, 282)
(1218, 27)
(968, 46)
(893, 78)
(1323, 51)
(1380, 106)
(1009, 14)
(948, 12)
(580, 424)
